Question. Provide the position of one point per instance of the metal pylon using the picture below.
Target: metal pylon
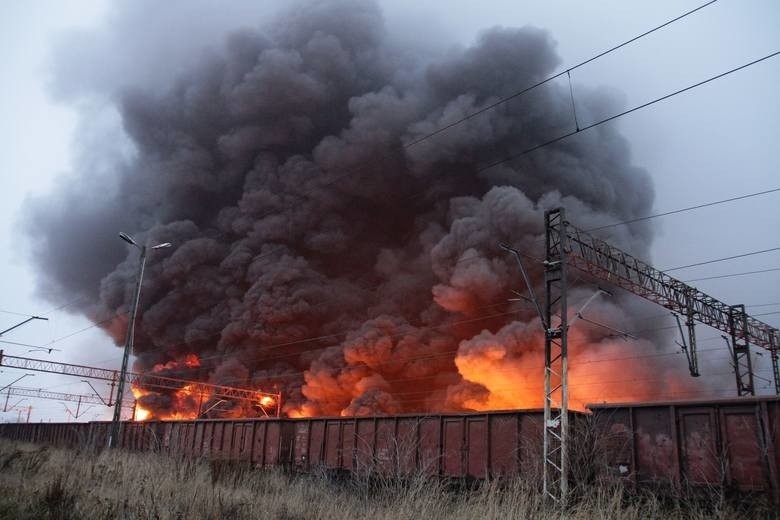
(740, 350)
(773, 347)
(693, 359)
(556, 418)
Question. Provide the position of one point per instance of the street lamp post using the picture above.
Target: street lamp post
(113, 436)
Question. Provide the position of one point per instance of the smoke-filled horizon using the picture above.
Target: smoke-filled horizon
(277, 164)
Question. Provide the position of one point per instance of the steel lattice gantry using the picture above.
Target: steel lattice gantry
(606, 262)
(567, 246)
(40, 393)
(135, 379)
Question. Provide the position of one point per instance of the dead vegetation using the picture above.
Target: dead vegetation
(46, 483)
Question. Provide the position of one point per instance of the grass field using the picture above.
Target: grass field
(44, 483)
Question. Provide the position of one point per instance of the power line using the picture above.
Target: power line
(624, 113)
(28, 345)
(18, 314)
(681, 210)
(67, 304)
(733, 275)
(550, 78)
(721, 259)
(86, 328)
(352, 171)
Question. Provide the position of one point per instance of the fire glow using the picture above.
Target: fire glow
(193, 400)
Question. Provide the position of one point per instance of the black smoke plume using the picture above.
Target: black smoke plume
(316, 250)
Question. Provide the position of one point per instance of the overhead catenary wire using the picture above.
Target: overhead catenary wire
(682, 210)
(553, 77)
(562, 137)
(732, 275)
(762, 304)
(716, 260)
(353, 171)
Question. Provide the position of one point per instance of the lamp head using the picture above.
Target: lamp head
(127, 238)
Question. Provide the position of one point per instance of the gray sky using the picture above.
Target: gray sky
(715, 142)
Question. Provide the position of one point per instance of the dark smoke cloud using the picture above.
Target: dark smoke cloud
(273, 157)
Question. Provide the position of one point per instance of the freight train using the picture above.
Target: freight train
(725, 443)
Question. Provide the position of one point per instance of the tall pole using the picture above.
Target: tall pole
(740, 351)
(556, 416)
(773, 340)
(113, 437)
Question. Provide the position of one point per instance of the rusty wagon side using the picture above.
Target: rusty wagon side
(729, 443)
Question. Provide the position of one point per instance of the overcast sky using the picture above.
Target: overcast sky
(712, 143)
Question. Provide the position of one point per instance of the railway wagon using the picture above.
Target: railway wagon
(474, 445)
(494, 444)
(729, 443)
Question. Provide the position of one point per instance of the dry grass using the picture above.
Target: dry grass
(45, 483)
